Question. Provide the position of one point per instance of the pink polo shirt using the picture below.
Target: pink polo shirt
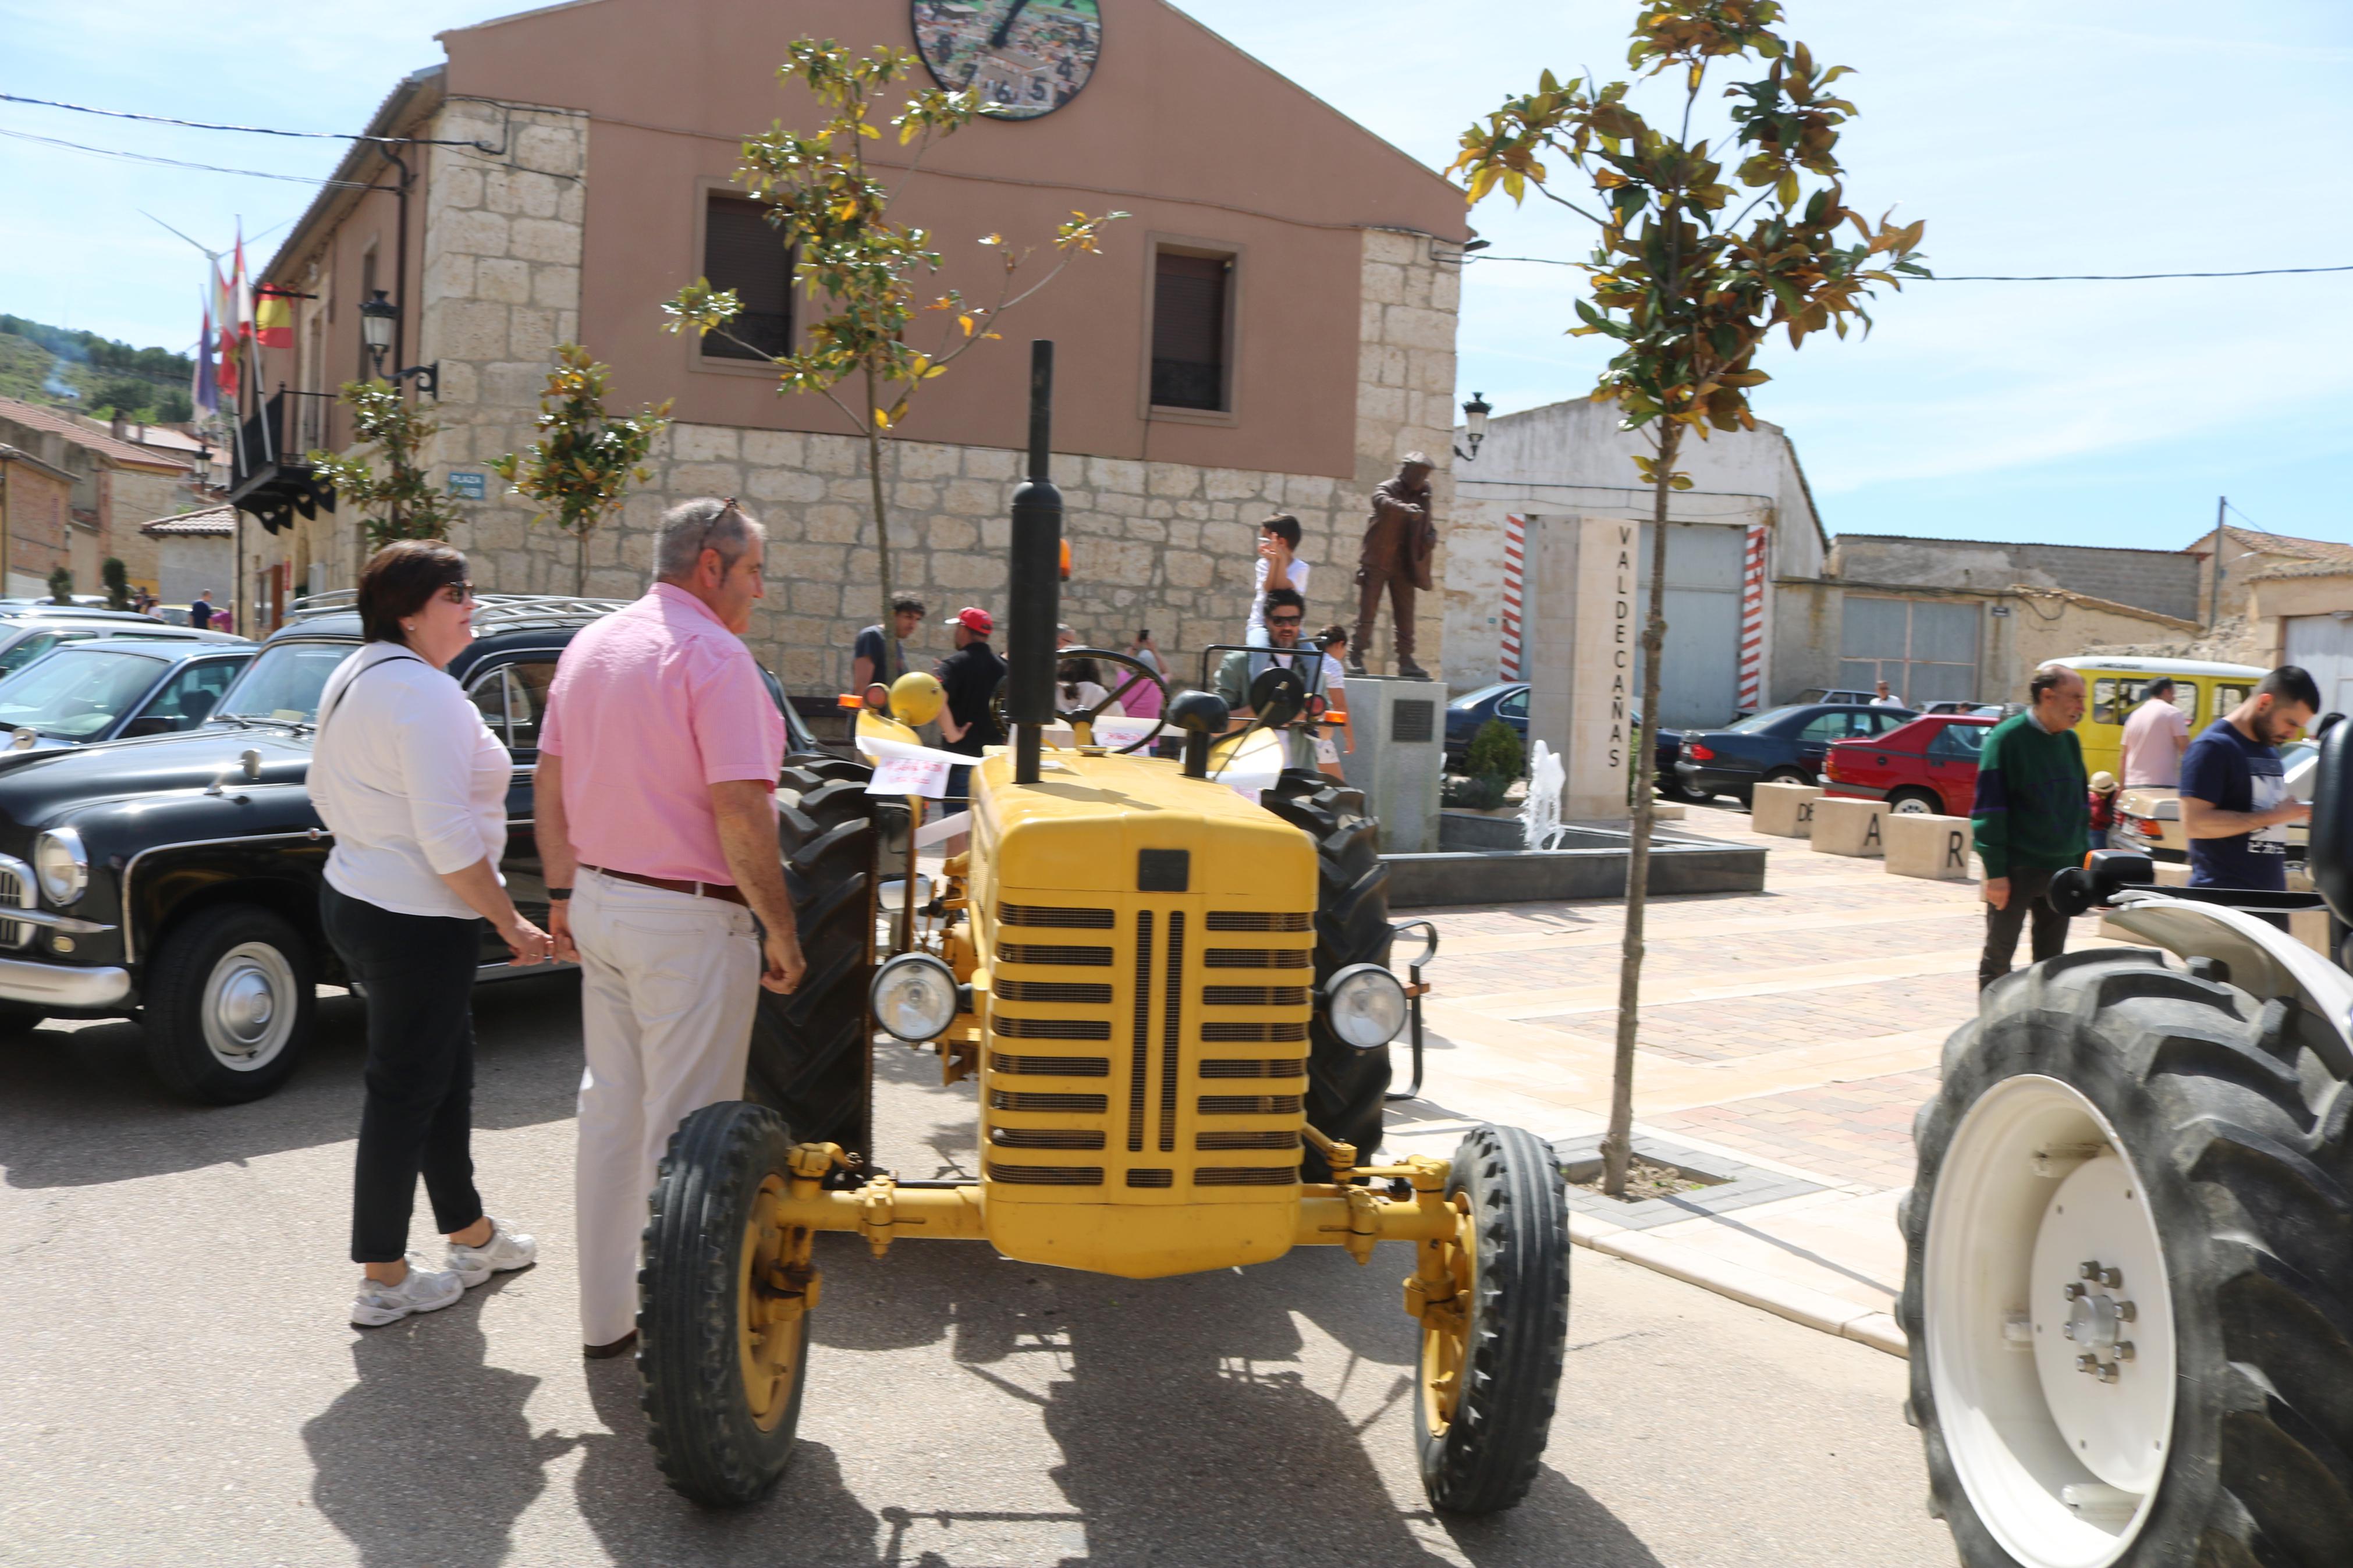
(651, 707)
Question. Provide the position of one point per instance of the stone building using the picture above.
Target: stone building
(1270, 330)
(2230, 559)
(118, 483)
(196, 552)
(36, 519)
(2165, 580)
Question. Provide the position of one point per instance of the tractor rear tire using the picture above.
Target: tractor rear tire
(1346, 1088)
(1482, 1457)
(2223, 1435)
(812, 1051)
(720, 1410)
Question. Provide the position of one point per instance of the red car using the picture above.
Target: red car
(1928, 766)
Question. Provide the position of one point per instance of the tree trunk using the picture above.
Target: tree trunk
(580, 563)
(889, 622)
(1618, 1144)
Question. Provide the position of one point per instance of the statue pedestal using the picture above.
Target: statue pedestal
(1400, 730)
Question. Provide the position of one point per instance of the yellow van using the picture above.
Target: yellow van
(2203, 689)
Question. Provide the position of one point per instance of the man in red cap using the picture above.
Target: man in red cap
(970, 677)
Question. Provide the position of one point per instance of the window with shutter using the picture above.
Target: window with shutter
(743, 251)
(1189, 301)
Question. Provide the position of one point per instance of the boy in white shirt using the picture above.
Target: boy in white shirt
(1279, 564)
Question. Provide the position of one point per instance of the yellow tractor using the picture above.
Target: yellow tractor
(1176, 1002)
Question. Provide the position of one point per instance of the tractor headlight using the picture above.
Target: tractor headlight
(1366, 1004)
(914, 997)
(62, 865)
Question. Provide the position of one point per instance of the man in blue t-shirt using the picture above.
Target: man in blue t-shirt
(870, 656)
(2234, 802)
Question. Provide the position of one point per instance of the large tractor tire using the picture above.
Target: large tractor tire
(1491, 1359)
(1346, 1087)
(812, 1051)
(722, 1326)
(2128, 1289)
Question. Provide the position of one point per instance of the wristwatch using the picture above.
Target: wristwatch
(559, 894)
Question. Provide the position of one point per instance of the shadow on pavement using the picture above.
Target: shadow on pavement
(78, 1108)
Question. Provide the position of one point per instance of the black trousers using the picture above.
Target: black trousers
(419, 1118)
(2029, 897)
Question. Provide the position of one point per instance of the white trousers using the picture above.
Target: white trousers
(669, 985)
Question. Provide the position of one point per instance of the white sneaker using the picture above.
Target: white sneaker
(506, 1250)
(423, 1290)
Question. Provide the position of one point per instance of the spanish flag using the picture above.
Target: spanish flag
(273, 319)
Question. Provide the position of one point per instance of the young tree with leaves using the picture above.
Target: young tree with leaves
(61, 586)
(117, 578)
(830, 209)
(388, 485)
(1688, 275)
(584, 457)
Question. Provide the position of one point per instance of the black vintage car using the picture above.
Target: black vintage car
(176, 878)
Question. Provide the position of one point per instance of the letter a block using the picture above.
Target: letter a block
(1785, 810)
(1936, 847)
(1844, 827)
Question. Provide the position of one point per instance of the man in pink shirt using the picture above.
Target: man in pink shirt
(2156, 734)
(657, 826)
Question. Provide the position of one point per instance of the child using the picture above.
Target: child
(1333, 641)
(2104, 807)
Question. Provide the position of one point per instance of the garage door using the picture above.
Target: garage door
(2323, 646)
(1926, 650)
(1699, 676)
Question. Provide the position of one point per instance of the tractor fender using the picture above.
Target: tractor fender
(2264, 961)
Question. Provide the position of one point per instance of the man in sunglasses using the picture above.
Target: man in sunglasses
(657, 826)
(1287, 611)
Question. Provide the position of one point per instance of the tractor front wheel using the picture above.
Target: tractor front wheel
(723, 1303)
(1492, 1351)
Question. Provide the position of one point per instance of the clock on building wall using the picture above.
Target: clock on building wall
(1024, 57)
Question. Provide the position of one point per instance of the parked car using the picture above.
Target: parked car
(1781, 745)
(1508, 700)
(2149, 819)
(83, 692)
(1834, 694)
(174, 877)
(28, 631)
(1928, 766)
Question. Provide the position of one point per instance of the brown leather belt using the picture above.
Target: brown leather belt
(725, 892)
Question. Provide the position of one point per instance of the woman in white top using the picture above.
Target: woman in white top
(411, 783)
(1278, 565)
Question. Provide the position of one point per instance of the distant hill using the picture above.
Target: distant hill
(41, 364)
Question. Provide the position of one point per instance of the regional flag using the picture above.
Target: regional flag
(206, 392)
(273, 319)
(225, 336)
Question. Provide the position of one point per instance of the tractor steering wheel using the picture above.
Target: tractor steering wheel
(1075, 717)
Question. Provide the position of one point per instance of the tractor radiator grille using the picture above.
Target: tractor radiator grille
(1214, 1143)
(1066, 919)
(1172, 1038)
(1259, 958)
(1076, 993)
(1046, 1175)
(1044, 1138)
(1278, 1067)
(1050, 1067)
(1244, 1175)
(1260, 920)
(1069, 957)
(1063, 1104)
(1250, 1105)
(1055, 1028)
(1254, 1034)
(1254, 996)
(1150, 1176)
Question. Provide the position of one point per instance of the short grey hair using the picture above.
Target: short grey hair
(692, 527)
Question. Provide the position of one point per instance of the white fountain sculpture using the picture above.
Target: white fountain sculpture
(1540, 817)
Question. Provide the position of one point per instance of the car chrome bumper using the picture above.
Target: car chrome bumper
(62, 985)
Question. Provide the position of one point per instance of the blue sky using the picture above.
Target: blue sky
(2034, 136)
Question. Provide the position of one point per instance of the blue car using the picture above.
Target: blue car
(1508, 700)
(112, 689)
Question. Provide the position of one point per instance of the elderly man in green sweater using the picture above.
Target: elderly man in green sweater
(2030, 817)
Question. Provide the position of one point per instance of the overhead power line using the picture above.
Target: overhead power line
(2005, 277)
(180, 162)
(244, 130)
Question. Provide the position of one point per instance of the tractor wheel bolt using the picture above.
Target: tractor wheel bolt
(2087, 1363)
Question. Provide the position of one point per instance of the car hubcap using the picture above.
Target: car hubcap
(2049, 1327)
(248, 1006)
(1911, 808)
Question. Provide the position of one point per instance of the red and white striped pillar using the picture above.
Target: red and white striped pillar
(1515, 544)
(1751, 621)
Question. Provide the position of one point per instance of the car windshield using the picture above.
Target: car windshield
(75, 693)
(283, 684)
(1470, 700)
(1757, 722)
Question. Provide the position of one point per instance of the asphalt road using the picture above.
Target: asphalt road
(181, 1387)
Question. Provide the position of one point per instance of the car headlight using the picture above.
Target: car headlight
(62, 864)
(1366, 1004)
(914, 997)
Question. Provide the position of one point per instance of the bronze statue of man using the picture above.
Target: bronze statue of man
(1398, 540)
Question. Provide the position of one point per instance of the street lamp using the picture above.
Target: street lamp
(1474, 424)
(377, 317)
(203, 467)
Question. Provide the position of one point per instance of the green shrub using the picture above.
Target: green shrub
(61, 586)
(1496, 752)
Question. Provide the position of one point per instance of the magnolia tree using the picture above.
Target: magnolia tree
(585, 456)
(384, 475)
(1688, 275)
(833, 213)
